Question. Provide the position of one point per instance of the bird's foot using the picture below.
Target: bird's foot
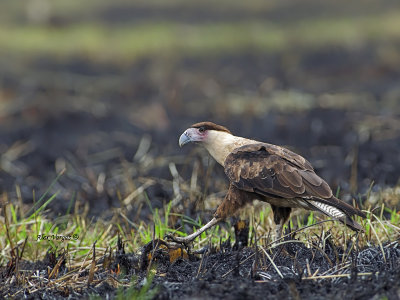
(190, 238)
(179, 240)
(175, 242)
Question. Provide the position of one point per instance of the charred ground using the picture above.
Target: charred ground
(113, 125)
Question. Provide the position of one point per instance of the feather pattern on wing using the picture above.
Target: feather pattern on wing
(276, 172)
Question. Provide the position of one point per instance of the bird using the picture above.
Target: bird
(267, 172)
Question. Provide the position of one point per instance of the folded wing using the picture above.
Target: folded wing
(276, 172)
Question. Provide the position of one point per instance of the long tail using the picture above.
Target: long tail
(339, 210)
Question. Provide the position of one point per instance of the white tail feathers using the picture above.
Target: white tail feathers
(337, 214)
(329, 210)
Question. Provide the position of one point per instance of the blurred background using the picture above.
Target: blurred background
(103, 89)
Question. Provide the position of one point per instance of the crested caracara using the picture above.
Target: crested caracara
(268, 173)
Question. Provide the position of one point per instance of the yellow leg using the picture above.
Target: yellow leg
(191, 237)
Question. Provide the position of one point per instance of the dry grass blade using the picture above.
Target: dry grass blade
(315, 273)
(4, 204)
(54, 272)
(83, 266)
(127, 220)
(156, 243)
(193, 179)
(338, 276)
(378, 239)
(312, 245)
(127, 201)
(308, 267)
(241, 263)
(272, 261)
(274, 242)
(285, 242)
(383, 227)
(93, 265)
(254, 266)
(200, 265)
(143, 147)
(175, 184)
(107, 259)
(336, 268)
(17, 150)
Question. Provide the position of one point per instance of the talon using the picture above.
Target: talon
(190, 238)
(175, 239)
(202, 250)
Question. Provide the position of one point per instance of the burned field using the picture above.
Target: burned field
(291, 270)
(89, 160)
(320, 264)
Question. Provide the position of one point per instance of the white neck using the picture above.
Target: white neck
(219, 144)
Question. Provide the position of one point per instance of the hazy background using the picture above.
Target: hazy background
(105, 88)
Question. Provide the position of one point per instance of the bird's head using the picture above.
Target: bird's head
(202, 132)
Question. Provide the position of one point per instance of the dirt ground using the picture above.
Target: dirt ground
(230, 273)
(339, 107)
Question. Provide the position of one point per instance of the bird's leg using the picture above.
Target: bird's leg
(234, 200)
(281, 215)
(278, 230)
(191, 237)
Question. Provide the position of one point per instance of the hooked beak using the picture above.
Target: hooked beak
(190, 135)
(184, 139)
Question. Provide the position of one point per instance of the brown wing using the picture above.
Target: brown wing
(277, 172)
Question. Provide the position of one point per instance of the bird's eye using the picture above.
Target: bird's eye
(202, 129)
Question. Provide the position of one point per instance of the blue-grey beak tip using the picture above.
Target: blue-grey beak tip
(183, 140)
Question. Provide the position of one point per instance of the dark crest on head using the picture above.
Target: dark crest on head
(211, 126)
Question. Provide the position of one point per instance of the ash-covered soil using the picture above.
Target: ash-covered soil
(297, 272)
(208, 279)
(114, 129)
